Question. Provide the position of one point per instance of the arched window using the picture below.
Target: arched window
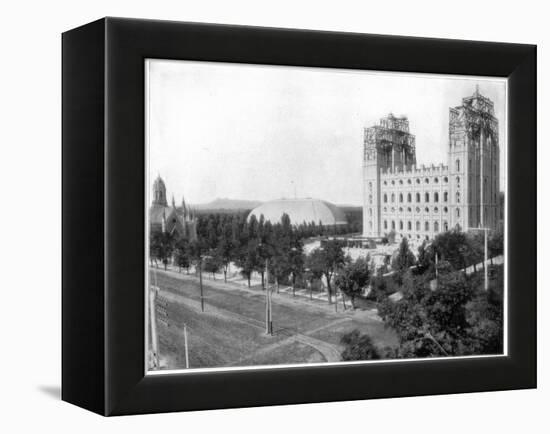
(445, 226)
(393, 225)
(427, 226)
(417, 225)
(426, 210)
(409, 209)
(426, 197)
(436, 227)
(445, 179)
(418, 180)
(417, 197)
(409, 197)
(458, 197)
(457, 165)
(370, 186)
(427, 181)
(400, 197)
(385, 224)
(436, 197)
(458, 212)
(445, 209)
(400, 209)
(436, 179)
(409, 225)
(436, 209)
(400, 182)
(392, 198)
(400, 225)
(445, 196)
(457, 180)
(385, 198)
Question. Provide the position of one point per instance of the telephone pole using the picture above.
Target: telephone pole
(200, 283)
(268, 310)
(186, 347)
(153, 326)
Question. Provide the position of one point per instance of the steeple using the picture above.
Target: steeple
(173, 202)
(159, 192)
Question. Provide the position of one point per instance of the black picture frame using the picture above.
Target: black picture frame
(103, 216)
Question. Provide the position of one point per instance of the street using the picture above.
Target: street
(231, 330)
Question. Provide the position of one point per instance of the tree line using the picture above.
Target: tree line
(253, 244)
(454, 318)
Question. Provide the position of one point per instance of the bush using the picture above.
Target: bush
(358, 347)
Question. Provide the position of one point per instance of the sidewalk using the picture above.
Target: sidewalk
(302, 295)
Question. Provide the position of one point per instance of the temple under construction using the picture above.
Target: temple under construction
(419, 202)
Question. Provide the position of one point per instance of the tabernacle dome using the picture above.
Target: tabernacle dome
(300, 210)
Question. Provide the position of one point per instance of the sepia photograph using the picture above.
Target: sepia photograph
(306, 216)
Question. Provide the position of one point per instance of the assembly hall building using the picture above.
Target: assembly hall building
(418, 202)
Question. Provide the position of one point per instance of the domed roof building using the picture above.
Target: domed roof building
(300, 211)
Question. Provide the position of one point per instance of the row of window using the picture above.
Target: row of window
(418, 181)
(409, 209)
(401, 197)
(417, 225)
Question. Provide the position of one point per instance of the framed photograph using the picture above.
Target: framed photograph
(258, 216)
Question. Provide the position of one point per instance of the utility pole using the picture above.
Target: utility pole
(186, 347)
(153, 326)
(268, 312)
(200, 283)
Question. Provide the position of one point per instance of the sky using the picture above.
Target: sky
(222, 130)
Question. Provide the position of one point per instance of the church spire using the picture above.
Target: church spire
(159, 192)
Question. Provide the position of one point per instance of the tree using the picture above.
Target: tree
(248, 259)
(225, 250)
(391, 237)
(358, 347)
(352, 278)
(453, 246)
(443, 322)
(212, 264)
(296, 261)
(496, 243)
(326, 260)
(161, 246)
(425, 258)
(404, 258)
(181, 254)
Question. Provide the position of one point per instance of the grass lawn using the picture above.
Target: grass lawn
(231, 330)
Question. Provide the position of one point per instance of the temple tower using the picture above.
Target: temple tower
(474, 163)
(387, 147)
